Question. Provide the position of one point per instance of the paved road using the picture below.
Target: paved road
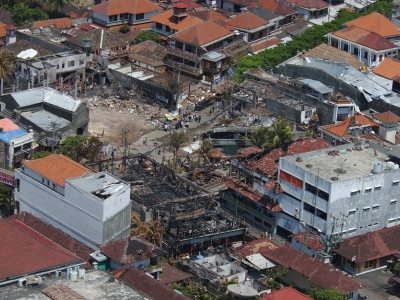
(376, 285)
(207, 122)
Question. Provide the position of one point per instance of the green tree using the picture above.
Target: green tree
(396, 267)
(22, 13)
(203, 151)
(57, 5)
(329, 294)
(124, 28)
(178, 140)
(279, 133)
(3, 194)
(89, 149)
(259, 137)
(41, 154)
(70, 144)
(146, 35)
(5, 65)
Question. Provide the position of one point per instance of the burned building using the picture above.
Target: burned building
(191, 218)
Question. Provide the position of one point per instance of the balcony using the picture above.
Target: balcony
(183, 54)
(183, 67)
(235, 47)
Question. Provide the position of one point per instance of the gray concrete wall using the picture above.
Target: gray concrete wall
(284, 110)
(295, 71)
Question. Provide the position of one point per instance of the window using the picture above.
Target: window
(375, 207)
(321, 214)
(308, 113)
(368, 190)
(352, 231)
(310, 188)
(48, 182)
(62, 66)
(81, 62)
(369, 264)
(54, 185)
(71, 63)
(352, 212)
(17, 183)
(139, 16)
(257, 220)
(354, 192)
(58, 66)
(158, 25)
(324, 195)
(376, 224)
(393, 202)
(378, 187)
(396, 182)
(167, 28)
(309, 208)
(291, 179)
(42, 180)
(366, 209)
(392, 220)
(380, 58)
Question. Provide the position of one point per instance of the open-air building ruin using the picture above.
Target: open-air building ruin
(191, 218)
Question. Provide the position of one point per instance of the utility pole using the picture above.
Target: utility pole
(306, 241)
(341, 230)
(331, 237)
(124, 136)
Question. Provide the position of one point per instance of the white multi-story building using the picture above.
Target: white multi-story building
(93, 208)
(348, 190)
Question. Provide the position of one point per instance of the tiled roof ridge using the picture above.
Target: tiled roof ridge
(35, 235)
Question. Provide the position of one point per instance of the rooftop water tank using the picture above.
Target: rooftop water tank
(81, 273)
(378, 167)
(73, 275)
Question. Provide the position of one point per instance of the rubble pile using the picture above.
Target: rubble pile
(128, 105)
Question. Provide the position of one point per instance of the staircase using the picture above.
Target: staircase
(110, 76)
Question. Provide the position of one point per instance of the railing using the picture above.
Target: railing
(183, 67)
(183, 54)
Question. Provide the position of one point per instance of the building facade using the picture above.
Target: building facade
(92, 208)
(348, 190)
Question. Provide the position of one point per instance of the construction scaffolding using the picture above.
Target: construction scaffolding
(191, 218)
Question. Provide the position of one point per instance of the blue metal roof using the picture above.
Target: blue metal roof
(6, 137)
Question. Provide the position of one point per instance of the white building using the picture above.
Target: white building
(17, 144)
(92, 208)
(349, 189)
(48, 67)
(369, 47)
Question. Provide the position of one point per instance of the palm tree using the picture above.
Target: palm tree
(5, 65)
(150, 231)
(178, 139)
(204, 150)
(280, 133)
(259, 137)
(58, 4)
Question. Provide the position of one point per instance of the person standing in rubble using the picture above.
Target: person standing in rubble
(199, 118)
(217, 106)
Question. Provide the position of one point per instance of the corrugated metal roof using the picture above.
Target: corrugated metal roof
(6, 137)
(46, 120)
(317, 85)
(47, 95)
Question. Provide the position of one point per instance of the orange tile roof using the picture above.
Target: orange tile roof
(387, 117)
(57, 168)
(60, 23)
(310, 4)
(202, 33)
(389, 68)
(364, 37)
(8, 125)
(285, 294)
(377, 23)
(341, 128)
(208, 14)
(276, 7)
(273, 41)
(258, 47)
(2, 29)
(248, 21)
(115, 7)
(168, 19)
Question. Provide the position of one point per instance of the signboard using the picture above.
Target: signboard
(6, 177)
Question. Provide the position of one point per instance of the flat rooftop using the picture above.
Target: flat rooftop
(46, 120)
(100, 184)
(347, 163)
(96, 285)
